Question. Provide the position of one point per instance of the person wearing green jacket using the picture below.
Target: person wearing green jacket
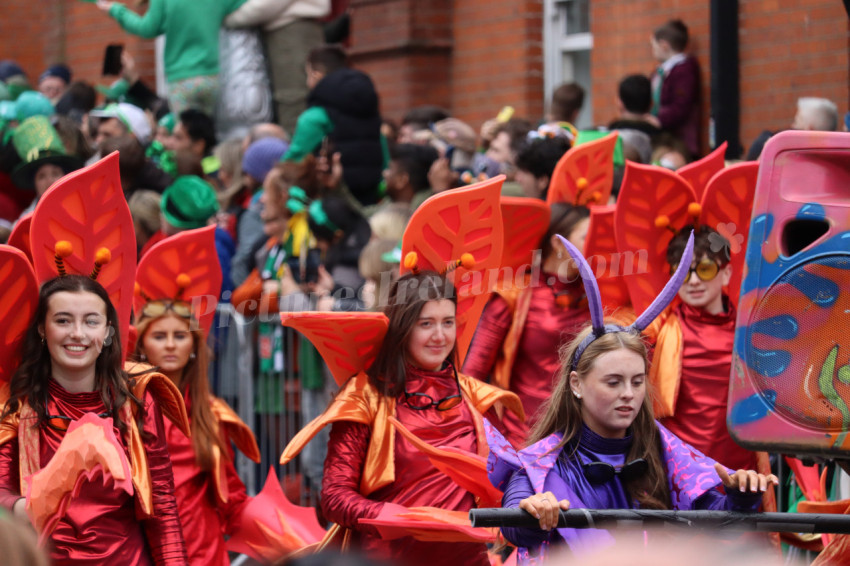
(191, 56)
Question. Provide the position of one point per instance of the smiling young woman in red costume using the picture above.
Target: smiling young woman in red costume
(172, 337)
(414, 379)
(72, 365)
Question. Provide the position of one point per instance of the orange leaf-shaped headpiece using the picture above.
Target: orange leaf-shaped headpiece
(88, 210)
(525, 222)
(585, 174)
(651, 207)
(17, 307)
(454, 223)
(654, 202)
(183, 267)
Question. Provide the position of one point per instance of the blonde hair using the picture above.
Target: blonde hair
(145, 210)
(371, 264)
(562, 413)
(229, 154)
(389, 223)
(372, 267)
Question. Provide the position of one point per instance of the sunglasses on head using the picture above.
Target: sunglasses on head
(155, 309)
(423, 401)
(603, 472)
(706, 269)
(61, 422)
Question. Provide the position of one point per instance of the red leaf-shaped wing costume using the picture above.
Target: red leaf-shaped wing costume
(272, 527)
(88, 450)
(466, 469)
(594, 163)
(20, 236)
(651, 199)
(347, 341)
(428, 524)
(452, 223)
(87, 208)
(188, 257)
(601, 252)
(727, 207)
(20, 297)
(525, 222)
(698, 173)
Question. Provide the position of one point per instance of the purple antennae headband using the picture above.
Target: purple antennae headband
(594, 299)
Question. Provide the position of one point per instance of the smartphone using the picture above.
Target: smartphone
(112, 59)
(305, 269)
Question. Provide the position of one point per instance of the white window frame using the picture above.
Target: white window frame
(555, 45)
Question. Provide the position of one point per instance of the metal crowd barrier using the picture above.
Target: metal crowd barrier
(269, 400)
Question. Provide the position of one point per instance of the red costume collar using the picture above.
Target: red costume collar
(701, 315)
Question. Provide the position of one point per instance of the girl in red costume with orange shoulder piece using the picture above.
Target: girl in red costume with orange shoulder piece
(530, 315)
(82, 440)
(392, 415)
(174, 312)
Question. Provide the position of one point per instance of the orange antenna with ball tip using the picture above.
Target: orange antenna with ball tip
(467, 261)
(183, 267)
(411, 262)
(61, 250)
(101, 258)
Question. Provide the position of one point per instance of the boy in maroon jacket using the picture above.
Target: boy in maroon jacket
(676, 85)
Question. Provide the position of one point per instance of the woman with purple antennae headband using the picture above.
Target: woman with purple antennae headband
(598, 446)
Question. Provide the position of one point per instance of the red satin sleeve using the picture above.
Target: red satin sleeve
(341, 499)
(10, 483)
(237, 498)
(165, 537)
(493, 327)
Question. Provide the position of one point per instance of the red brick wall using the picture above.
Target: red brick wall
(404, 45)
(75, 33)
(788, 52)
(471, 56)
(621, 32)
(497, 59)
(475, 56)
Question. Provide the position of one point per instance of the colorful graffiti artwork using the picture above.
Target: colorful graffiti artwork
(790, 383)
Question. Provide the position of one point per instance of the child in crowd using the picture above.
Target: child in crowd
(707, 319)
(676, 85)
(343, 107)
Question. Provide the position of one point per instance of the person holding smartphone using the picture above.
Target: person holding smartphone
(191, 44)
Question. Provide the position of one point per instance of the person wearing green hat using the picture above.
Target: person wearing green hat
(189, 203)
(165, 131)
(44, 159)
(27, 105)
(32, 103)
(161, 149)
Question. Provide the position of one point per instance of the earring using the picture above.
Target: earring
(142, 357)
(192, 356)
(42, 340)
(577, 394)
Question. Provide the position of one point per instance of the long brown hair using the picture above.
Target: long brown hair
(562, 413)
(205, 431)
(407, 297)
(29, 382)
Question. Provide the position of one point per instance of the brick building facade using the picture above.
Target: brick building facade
(475, 56)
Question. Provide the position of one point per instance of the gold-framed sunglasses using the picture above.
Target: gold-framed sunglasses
(706, 269)
(156, 309)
